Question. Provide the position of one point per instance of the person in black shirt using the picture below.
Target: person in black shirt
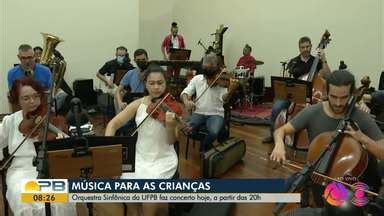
(121, 62)
(298, 67)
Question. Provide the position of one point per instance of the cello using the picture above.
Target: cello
(334, 156)
(300, 139)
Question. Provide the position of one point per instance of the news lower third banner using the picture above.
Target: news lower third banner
(148, 190)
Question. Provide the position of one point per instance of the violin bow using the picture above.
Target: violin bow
(10, 157)
(209, 86)
(327, 177)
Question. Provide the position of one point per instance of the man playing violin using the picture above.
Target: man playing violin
(325, 116)
(208, 109)
(155, 155)
(298, 66)
(26, 93)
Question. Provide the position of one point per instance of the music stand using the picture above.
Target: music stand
(70, 158)
(293, 90)
(84, 157)
(179, 54)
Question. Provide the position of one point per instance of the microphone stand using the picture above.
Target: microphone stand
(321, 162)
(81, 149)
(283, 67)
(41, 161)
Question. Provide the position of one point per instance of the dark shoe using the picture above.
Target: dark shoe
(268, 139)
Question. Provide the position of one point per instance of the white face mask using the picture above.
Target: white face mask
(120, 59)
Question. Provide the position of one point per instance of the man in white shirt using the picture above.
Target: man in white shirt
(208, 109)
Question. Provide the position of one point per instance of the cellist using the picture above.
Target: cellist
(325, 116)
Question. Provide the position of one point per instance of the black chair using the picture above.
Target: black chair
(257, 88)
(381, 83)
(202, 132)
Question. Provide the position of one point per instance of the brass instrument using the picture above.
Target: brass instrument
(52, 58)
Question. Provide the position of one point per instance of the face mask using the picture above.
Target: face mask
(120, 59)
(142, 65)
(209, 72)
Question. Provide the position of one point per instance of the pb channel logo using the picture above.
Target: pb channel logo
(336, 194)
(44, 190)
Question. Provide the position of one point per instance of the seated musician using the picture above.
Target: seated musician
(325, 116)
(375, 99)
(208, 109)
(247, 61)
(155, 155)
(132, 80)
(298, 66)
(28, 67)
(121, 62)
(37, 53)
(27, 93)
(366, 89)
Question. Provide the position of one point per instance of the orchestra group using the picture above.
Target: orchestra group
(204, 97)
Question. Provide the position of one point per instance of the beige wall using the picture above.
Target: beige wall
(92, 29)
(155, 21)
(3, 73)
(381, 35)
(272, 28)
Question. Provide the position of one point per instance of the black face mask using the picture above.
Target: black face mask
(142, 65)
(209, 72)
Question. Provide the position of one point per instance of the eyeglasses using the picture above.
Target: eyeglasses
(26, 57)
(27, 98)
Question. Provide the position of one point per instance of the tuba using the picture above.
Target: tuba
(52, 58)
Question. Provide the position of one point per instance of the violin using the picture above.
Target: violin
(32, 125)
(223, 79)
(158, 109)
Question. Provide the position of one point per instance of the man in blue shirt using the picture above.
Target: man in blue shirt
(28, 67)
(132, 82)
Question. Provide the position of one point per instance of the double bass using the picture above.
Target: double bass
(300, 139)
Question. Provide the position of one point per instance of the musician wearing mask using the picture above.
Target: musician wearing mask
(297, 67)
(325, 117)
(121, 62)
(173, 40)
(26, 93)
(155, 155)
(132, 82)
(28, 67)
(208, 105)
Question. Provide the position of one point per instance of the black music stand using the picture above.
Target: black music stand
(179, 54)
(85, 157)
(293, 90)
